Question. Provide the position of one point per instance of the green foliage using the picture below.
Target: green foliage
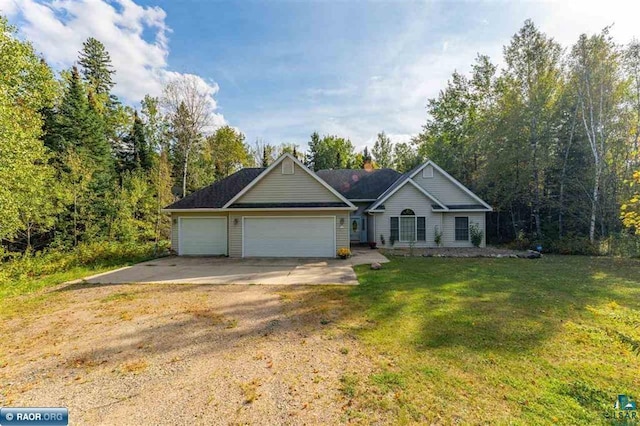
(437, 236)
(630, 210)
(475, 234)
(27, 201)
(224, 152)
(330, 152)
(20, 271)
(383, 151)
(136, 152)
(622, 244)
(406, 157)
(572, 244)
(96, 66)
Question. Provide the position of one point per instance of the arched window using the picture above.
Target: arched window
(408, 227)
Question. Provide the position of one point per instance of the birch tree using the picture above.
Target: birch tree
(189, 107)
(596, 74)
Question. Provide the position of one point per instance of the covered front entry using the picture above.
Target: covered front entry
(202, 236)
(289, 236)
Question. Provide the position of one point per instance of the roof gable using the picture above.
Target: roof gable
(447, 188)
(277, 185)
(442, 197)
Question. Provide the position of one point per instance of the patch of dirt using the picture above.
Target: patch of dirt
(182, 354)
(456, 252)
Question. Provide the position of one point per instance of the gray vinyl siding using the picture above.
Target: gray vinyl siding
(174, 233)
(443, 189)
(175, 237)
(449, 229)
(298, 187)
(371, 228)
(408, 197)
(235, 229)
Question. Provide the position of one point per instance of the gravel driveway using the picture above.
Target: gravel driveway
(182, 354)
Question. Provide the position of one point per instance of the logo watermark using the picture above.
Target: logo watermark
(624, 408)
(45, 416)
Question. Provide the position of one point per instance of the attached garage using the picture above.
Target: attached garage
(202, 236)
(288, 236)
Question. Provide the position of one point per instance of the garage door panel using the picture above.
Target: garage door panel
(289, 237)
(203, 236)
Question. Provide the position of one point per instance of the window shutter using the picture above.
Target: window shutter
(422, 229)
(395, 230)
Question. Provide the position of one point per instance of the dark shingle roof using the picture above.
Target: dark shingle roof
(219, 193)
(359, 184)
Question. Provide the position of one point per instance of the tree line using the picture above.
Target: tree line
(550, 141)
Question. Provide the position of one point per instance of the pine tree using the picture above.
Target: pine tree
(366, 156)
(79, 127)
(96, 66)
(135, 152)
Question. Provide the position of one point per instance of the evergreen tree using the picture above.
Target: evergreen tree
(96, 66)
(78, 126)
(366, 157)
(136, 152)
(383, 151)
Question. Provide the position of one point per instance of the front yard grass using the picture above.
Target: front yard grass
(28, 274)
(496, 341)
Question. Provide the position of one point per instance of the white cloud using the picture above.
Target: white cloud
(57, 30)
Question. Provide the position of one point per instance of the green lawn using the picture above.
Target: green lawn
(492, 341)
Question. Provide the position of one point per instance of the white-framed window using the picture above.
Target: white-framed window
(287, 167)
(462, 228)
(408, 227)
(427, 172)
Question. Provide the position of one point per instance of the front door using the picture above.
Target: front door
(355, 228)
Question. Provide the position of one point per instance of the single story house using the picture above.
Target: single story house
(287, 210)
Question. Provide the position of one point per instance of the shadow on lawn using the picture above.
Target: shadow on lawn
(508, 305)
(491, 304)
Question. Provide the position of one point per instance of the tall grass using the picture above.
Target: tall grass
(21, 273)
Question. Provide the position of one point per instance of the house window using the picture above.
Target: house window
(287, 167)
(422, 228)
(408, 227)
(427, 172)
(394, 231)
(462, 229)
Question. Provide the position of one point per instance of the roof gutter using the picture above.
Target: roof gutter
(277, 209)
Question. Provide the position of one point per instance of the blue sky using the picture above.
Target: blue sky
(279, 70)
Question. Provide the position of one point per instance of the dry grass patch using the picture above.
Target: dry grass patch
(135, 367)
(250, 391)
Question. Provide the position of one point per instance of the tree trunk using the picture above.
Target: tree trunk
(594, 204)
(184, 173)
(563, 175)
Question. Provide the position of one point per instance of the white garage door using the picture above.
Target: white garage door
(203, 236)
(289, 237)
